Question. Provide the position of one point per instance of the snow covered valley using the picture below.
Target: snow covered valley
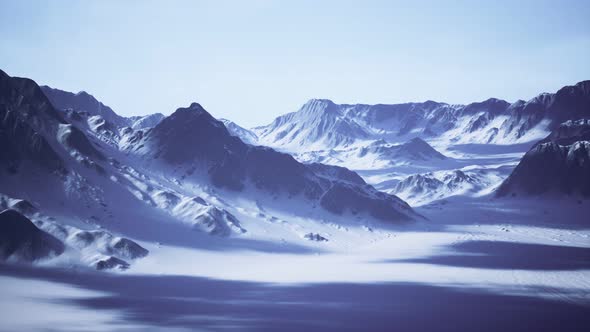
(463, 270)
(175, 223)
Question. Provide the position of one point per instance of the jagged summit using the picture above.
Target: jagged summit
(82, 101)
(190, 112)
(492, 105)
(85, 103)
(14, 88)
(321, 124)
(191, 125)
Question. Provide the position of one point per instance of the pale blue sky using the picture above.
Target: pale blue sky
(250, 61)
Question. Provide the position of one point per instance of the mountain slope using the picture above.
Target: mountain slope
(231, 164)
(318, 124)
(22, 241)
(145, 121)
(98, 120)
(82, 101)
(413, 150)
(34, 133)
(244, 134)
(559, 163)
(322, 124)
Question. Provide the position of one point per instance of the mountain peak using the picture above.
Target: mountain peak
(417, 142)
(320, 108)
(82, 101)
(193, 125)
(196, 106)
(195, 109)
(420, 149)
(319, 100)
(490, 105)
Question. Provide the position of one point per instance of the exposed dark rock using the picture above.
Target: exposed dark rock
(128, 249)
(315, 237)
(111, 263)
(22, 241)
(559, 163)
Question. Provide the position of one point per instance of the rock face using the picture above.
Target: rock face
(231, 164)
(315, 237)
(32, 131)
(27, 119)
(106, 244)
(559, 163)
(111, 263)
(570, 132)
(22, 241)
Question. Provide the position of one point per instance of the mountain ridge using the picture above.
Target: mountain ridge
(490, 121)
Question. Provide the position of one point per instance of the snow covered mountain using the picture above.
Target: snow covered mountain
(377, 154)
(145, 121)
(183, 203)
(319, 124)
(229, 163)
(322, 124)
(414, 150)
(86, 181)
(84, 102)
(421, 189)
(559, 163)
(409, 149)
(97, 119)
(47, 159)
(247, 136)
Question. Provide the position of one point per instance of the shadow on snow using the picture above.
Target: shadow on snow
(509, 255)
(190, 302)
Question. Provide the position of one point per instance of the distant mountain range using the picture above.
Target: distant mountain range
(321, 124)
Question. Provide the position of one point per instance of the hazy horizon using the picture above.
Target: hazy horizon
(250, 62)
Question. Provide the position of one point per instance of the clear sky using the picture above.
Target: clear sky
(250, 61)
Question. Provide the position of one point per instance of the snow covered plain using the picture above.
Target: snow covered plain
(477, 263)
